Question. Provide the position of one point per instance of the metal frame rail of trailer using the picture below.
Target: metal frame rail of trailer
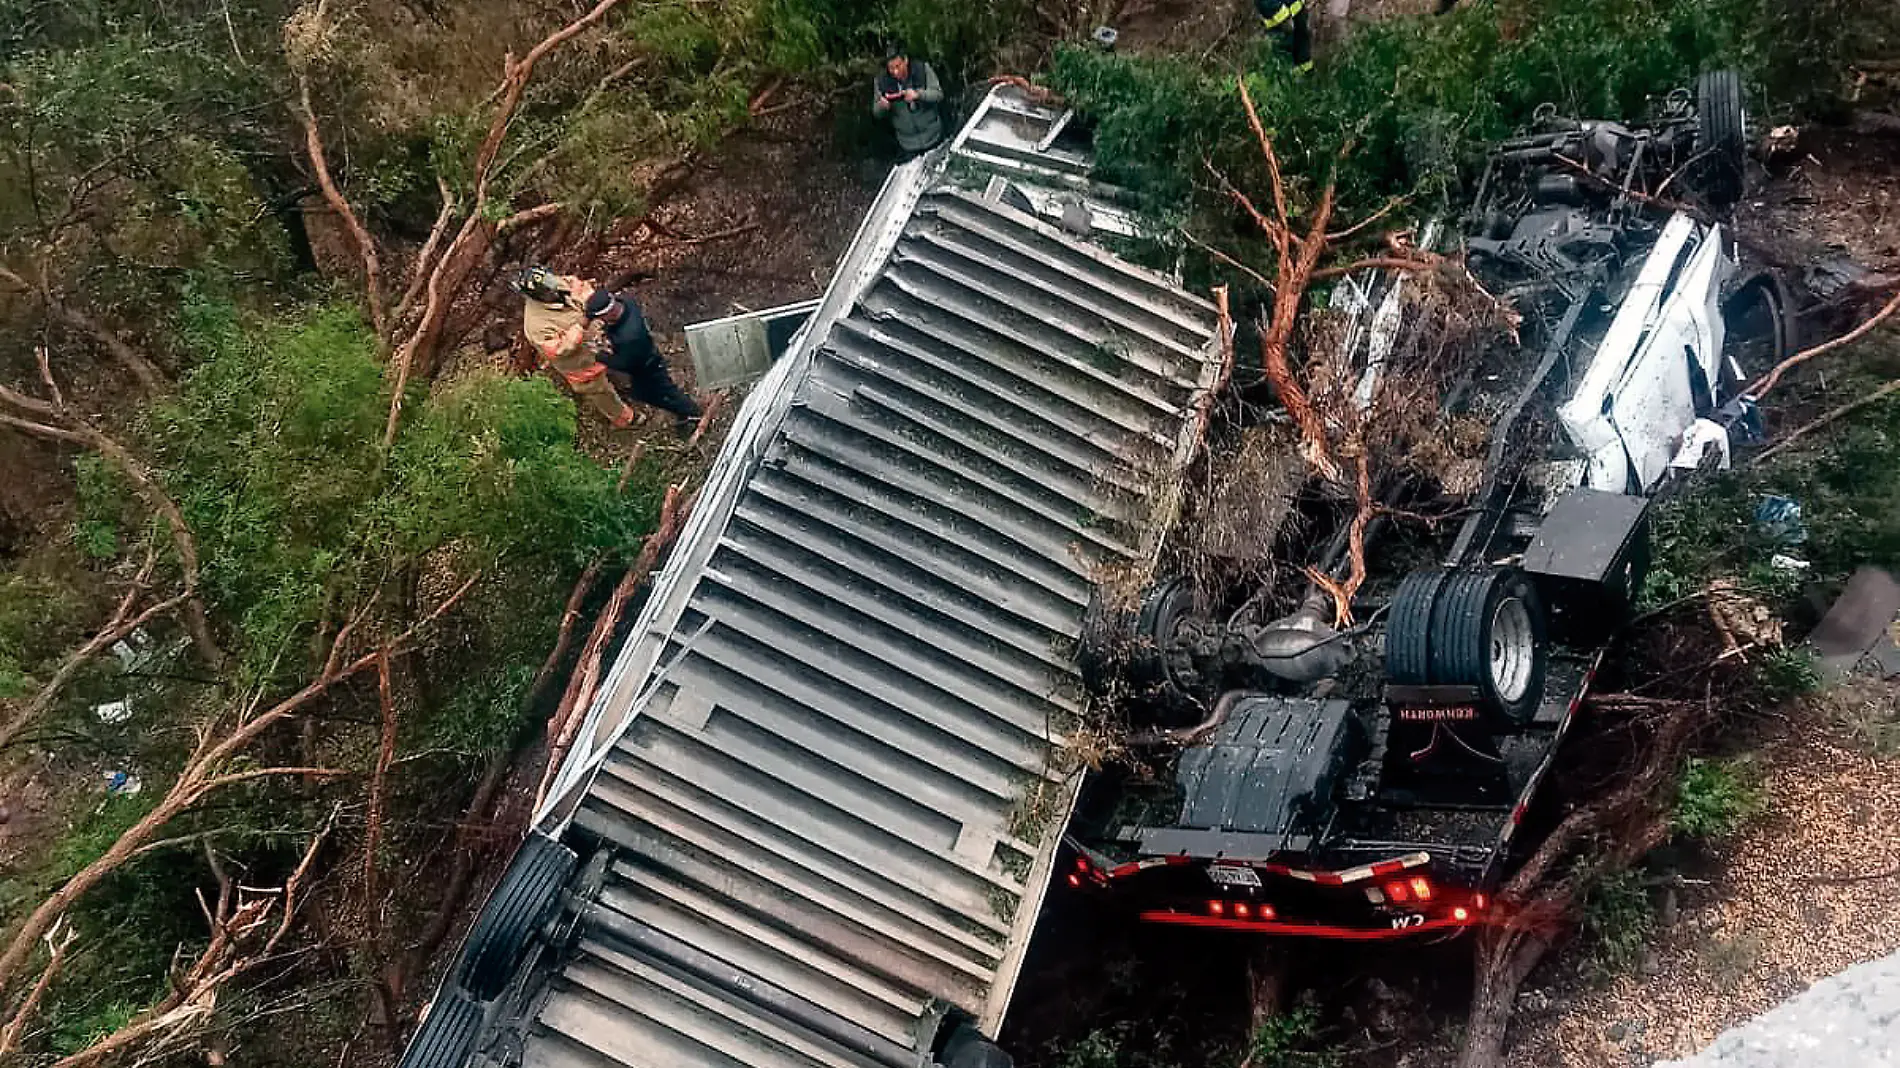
(811, 818)
(1377, 793)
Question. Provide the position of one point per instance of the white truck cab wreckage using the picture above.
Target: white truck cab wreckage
(1371, 783)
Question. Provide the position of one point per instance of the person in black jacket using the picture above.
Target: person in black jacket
(634, 364)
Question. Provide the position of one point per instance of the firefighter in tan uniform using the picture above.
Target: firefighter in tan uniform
(556, 324)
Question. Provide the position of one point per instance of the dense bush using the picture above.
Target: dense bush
(272, 448)
(1417, 97)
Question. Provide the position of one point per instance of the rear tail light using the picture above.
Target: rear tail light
(1074, 879)
(1217, 908)
(1477, 901)
(1421, 888)
(1397, 892)
(1461, 914)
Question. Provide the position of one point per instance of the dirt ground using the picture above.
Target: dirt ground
(1806, 891)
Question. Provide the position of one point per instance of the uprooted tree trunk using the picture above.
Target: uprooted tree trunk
(213, 766)
(1538, 904)
(1335, 441)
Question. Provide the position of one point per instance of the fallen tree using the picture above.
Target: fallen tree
(1351, 442)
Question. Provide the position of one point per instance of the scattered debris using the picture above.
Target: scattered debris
(1743, 621)
(122, 784)
(1779, 520)
(112, 713)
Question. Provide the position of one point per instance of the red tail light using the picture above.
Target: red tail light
(1397, 892)
(1421, 888)
(1217, 908)
(1242, 910)
(1477, 901)
(1074, 879)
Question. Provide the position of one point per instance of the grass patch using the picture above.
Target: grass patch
(1715, 798)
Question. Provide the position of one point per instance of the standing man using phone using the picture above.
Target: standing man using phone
(908, 94)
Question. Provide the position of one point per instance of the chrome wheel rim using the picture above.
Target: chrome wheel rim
(1513, 650)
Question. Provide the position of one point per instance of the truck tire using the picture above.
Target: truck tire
(1156, 689)
(1721, 136)
(447, 1033)
(1408, 627)
(519, 905)
(1123, 653)
(1488, 630)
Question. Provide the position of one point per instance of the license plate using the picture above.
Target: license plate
(1230, 875)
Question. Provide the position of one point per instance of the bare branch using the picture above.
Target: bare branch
(1352, 231)
(40, 429)
(57, 942)
(1223, 257)
(1266, 150)
(1827, 417)
(373, 819)
(142, 368)
(115, 630)
(419, 274)
(581, 687)
(365, 245)
(1767, 382)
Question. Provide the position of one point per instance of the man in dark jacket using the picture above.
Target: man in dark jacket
(634, 365)
(908, 93)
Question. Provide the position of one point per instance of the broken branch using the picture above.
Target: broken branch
(1769, 381)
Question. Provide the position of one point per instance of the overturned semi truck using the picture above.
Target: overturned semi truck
(810, 820)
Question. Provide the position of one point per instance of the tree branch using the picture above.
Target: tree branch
(1767, 382)
(365, 245)
(115, 629)
(200, 777)
(419, 274)
(58, 943)
(151, 379)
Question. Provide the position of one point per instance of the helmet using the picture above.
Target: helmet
(539, 284)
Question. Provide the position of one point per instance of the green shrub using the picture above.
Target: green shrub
(272, 448)
(1784, 674)
(1291, 1040)
(1617, 924)
(1097, 1049)
(1714, 798)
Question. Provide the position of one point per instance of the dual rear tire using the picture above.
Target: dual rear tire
(1484, 629)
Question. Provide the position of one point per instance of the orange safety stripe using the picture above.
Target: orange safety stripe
(580, 378)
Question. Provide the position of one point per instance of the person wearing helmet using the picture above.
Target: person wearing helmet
(908, 94)
(634, 364)
(1286, 20)
(554, 319)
